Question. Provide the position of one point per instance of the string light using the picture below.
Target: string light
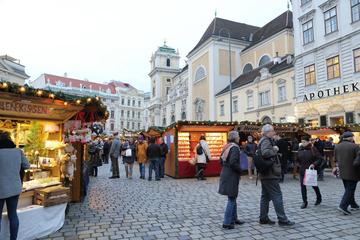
(22, 89)
(51, 95)
(39, 93)
(88, 100)
(4, 85)
(78, 101)
(65, 103)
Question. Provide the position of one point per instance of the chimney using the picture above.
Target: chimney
(277, 59)
(251, 37)
(65, 74)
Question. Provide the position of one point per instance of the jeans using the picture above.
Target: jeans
(270, 191)
(115, 167)
(154, 165)
(200, 169)
(11, 204)
(304, 190)
(162, 166)
(142, 170)
(129, 169)
(230, 211)
(349, 195)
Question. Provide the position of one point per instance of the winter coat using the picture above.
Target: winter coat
(115, 148)
(106, 148)
(284, 150)
(250, 149)
(230, 172)
(153, 152)
(141, 152)
(320, 146)
(269, 154)
(206, 152)
(345, 154)
(306, 156)
(131, 159)
(164, 149)
(93, 156)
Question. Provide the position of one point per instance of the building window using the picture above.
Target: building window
(264, 98)
(331, 24)
(303, 2)
(235, 105)
(247, 68)
(168, 80)
(200, 74)
(173, 118)
(139, 115)
(153, 91)
(129, 102)
(168, 62)
(308, 32)
(355, 10)
(122, 124)
(139, 126)
(139, 103)
(266, 120)
(183, 116)
(357, 59)
(282, 93)
(112, 100)
(123, 101)
(112, 114)
(128, 114)
(128, 125)
(222, 109)
(250, 101)
(167, 90)
(333, 67)
(134, 103)
(264, 60)
(112, 127)
(164, 121)
(122, 113)
(310, 76)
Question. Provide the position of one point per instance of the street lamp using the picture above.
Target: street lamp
(227, 31)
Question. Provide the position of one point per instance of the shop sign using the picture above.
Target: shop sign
(20, 107)
(329, 92)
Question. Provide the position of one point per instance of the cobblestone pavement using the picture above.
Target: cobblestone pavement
(190, 209)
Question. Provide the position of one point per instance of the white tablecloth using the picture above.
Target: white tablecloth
(35, 222)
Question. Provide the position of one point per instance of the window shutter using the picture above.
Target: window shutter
(349, 116)
(323, 121)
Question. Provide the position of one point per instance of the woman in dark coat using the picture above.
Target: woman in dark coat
(93, 157)
(230, 178)
(130, 158)
(308, 157)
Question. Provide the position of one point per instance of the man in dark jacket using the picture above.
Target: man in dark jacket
(270, 187)
(230, 178)
(250, 149)
(106, 151)
(320, 147)
(153, 155)
(284, 155)
(163, 153)
(345, 154)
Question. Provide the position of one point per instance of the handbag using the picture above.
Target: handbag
(128, 152)
(311, 177)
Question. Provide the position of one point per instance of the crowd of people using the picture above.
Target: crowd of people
(269, 158)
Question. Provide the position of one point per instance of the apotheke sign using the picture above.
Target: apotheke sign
(329, 92)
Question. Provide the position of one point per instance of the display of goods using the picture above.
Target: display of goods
(52, 196)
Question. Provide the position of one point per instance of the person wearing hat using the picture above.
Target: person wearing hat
(345, 154)
(308, 157)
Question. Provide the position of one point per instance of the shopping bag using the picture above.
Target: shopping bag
(128, 152)
(311, 177)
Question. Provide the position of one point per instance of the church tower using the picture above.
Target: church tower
(164, 66)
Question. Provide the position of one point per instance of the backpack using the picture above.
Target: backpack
(199, 150)
(262, 166)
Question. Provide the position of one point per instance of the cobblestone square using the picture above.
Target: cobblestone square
(190, 209)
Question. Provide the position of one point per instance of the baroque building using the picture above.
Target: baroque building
(12, 71)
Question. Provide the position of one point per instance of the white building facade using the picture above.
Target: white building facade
(125, 103)
(327, 61)
(11, 70)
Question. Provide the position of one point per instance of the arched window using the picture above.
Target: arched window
(248, 67)
(168, 62)
(266, 120)
(183, 116)
(264, 60)
(200, 73)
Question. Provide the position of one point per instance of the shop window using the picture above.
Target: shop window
(282, 93)
(323, 121)
(222, 109)
(349, 117)
(331, 24)
(308, 32)
(336, 121)
(264, 60)
(357, 60)
(264, 98)
(333, 67)
(355, 10)
(248, 68)
(313, 122)
(310, 75)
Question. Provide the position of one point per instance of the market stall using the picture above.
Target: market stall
(182, 137)
(35, 119)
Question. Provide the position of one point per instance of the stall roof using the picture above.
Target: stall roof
(321, 132)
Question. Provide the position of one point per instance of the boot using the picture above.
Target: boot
(304, 205)
(318, 201)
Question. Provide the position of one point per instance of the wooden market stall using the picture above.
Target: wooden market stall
(183, 136)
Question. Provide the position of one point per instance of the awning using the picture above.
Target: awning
(321, 132)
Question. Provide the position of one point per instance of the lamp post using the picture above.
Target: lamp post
(230, 86)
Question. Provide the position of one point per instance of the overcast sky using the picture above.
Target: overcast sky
(101, 40)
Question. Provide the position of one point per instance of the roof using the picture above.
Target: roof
(249, 77)
(182, 70)
(281, 22)
(239, 31)
(12, 64)
(165, 48)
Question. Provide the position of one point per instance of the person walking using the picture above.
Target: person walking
(308, 157)
(270, 187)
(163, 153)
(12, 161)
(250, 149)
(284, 153)
(320, 147)
(106, 150)
(129, 158)
(153, 154)
(93, 157)
(141, 157)
(203, 156)
(345, 154)
(230, 178)
(114, 155)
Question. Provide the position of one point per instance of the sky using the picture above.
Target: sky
(103, 40)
